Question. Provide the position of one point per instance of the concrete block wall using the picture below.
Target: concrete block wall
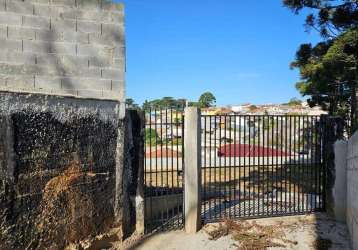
(346, 185)
(352, 189)
(63, 47)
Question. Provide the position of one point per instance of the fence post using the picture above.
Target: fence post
(192, 171)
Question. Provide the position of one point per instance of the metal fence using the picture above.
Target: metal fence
(163, 169)
(261, 166)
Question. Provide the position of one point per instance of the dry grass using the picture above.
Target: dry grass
(250, 235)
(261, 180)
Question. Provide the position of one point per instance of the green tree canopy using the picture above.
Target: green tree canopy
(164, 103)
(294, 101)
(130, 103)
(328, 69)
(206, 100)
(329, 18)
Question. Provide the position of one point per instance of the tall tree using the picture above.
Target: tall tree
(329, 69)
(329, 18)
(206, 100)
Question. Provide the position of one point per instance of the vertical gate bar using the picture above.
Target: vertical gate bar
(259, 153)
(235, 181)
(308, 165)
(225, 168)
(156, 153)
(286, 167)
(299, 194)
(219, 168)
(250, 170)
(264, 163)
(215, 166)
(144, 153)
(281, 167)
(210, 164)
(300, 164)
(182, 186)
(277, 166)
(245, 124)
(272, 163)
(304, 183)
(324, 176)
(321, 150)
(312, 162)
(151, 167)
(307, 168)
(203, 167)
(316, 162)
(172, 158)
(161, 160)
(305, 162)
(249, 166)
(167, 163)
(231, 187)
(268, 172)
(290, 163)
(240, 166)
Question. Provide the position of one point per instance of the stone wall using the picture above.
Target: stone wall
(61, 170)
(63, 47)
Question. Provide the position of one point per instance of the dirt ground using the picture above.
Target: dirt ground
(295, 232)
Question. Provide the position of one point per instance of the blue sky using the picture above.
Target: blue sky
(239, 50)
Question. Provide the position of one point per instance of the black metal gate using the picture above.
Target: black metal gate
(262, 165)
(163, 169)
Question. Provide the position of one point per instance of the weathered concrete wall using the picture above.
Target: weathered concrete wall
(133, 173)
(340, 186)
(346, 185)
(61, 169)
(63, 47)
(352, 189)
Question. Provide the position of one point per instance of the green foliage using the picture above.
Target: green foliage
(206, 100)
(252, 108)
(151, 137)
(328, 70)
(294, 102)
(328, 17)
(130, 103)
(164, 103)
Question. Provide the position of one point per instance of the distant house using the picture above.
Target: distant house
(245, 150)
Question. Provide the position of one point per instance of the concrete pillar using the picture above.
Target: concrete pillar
(340, 185)
(192, 171)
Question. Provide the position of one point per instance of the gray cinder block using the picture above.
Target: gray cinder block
(21, 33)
(20, 7)
(64, 25)
(13, 45)
(15, 57)
(36, 22)
(48, 35)
(88, 27)
(75, 37)
(112, 73)
(7, 18)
